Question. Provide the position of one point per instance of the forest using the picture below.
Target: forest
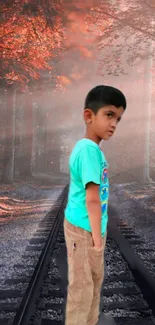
(48, 48)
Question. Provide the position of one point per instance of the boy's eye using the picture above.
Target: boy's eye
(110, 114)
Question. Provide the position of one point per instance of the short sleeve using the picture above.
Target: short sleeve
(90, 165)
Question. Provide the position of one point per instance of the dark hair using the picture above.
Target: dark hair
(101, 96)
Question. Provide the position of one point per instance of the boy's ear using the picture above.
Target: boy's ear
(87, 115)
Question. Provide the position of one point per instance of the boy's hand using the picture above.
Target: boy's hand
(98, 245)
(94, 211)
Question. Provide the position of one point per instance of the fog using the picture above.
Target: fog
(100, 42)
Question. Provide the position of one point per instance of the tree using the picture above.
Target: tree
(31, 33)
(34, 33)
(36, 36)
(122, 39)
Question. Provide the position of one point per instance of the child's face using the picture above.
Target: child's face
(104, 123)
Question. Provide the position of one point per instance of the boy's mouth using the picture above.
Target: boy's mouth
(110, 132)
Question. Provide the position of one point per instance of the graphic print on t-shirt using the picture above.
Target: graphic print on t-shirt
(105, 175)
(104, 188)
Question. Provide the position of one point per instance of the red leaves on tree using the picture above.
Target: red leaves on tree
(28, 39)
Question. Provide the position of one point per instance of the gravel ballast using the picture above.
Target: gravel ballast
(21, 212)
(134, 204)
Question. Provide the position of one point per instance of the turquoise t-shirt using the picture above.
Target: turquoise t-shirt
(87, 163)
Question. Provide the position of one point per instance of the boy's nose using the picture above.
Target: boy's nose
(113, 124)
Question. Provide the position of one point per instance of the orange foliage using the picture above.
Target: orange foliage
(35, 32)
(28, 40)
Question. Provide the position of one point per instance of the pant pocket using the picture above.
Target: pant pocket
(71, 246)
(96, 260)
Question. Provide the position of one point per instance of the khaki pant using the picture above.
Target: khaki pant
(85, 276)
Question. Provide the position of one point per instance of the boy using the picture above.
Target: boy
(86, 218)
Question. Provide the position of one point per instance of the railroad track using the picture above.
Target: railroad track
(44, 299)
(16, 292)
(143, 250)
(139, 257)
(122, 297)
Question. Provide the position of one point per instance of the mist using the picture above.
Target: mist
(42, 93)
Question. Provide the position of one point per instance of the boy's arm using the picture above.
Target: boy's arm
(94, 211)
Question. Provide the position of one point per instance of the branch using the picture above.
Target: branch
(49, 22)
(35, 31)
(5, 48)
(148, 5)
(6, 34)
(130, 25)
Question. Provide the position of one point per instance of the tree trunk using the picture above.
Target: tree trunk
(23, 136)
(148, 105)
(2, 126)
(9, 150)
(25, 162)
(34, 135)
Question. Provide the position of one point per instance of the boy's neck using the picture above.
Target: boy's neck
(93, 137)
